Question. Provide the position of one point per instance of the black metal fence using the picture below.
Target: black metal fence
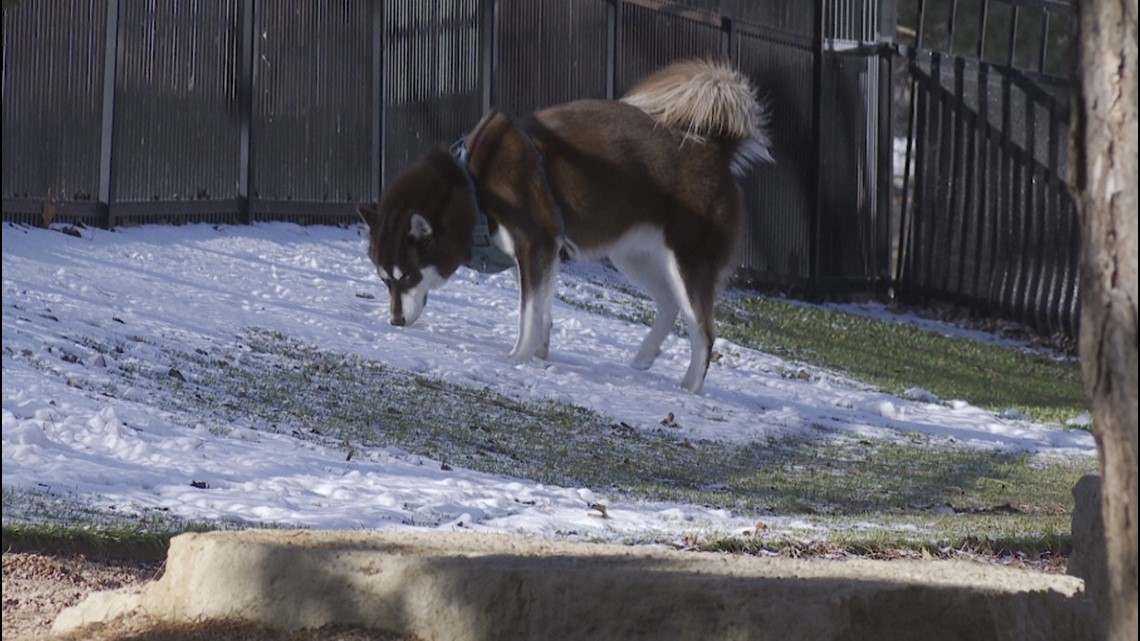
(987, 219)
(135, 111)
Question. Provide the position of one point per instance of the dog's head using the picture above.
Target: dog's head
(421, 232)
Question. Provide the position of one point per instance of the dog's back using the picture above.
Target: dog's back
(613, 167)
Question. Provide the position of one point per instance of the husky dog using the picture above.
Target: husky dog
(646, 181)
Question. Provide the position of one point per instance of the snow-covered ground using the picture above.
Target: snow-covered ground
(70, 430)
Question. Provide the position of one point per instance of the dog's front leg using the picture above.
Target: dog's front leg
(537, 270)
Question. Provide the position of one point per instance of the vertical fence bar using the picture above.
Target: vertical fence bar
(612, 34)
(110, 64)
(1032, 231)
(248, 31)
(971, 211)
(982, 142)
(921, 30)
(1010, 52)
(1054, 208)
(911, 228)
(816, 195)
(1011, 177)
(982, 227)
(885, 170)
(907, 207)
(950, 26)
(936, 119)
(487, 49)
(375, 182)
(980, 46)
(994, 209)
(959, 181)
(1072, 309)
(727, 19)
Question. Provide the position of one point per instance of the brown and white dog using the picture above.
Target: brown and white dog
(647, 182)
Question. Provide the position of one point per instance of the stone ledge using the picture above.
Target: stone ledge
(475, 586)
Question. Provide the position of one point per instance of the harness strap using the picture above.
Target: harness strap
(486, 257)
(545, 175)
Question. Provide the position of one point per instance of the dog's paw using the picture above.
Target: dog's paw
(695, 388)
(644, 360)
(641, 364)
(693, 382)
(520, 356)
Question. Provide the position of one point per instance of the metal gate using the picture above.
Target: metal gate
(987, 220)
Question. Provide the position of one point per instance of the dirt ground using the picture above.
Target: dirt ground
(37, 587)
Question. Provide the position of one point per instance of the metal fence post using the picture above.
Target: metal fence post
(247, 30)
(816, 195)
(110, 64)
(887, 21)
(884, 278)
(613, 47)
(376, 180)
(727, 27)
(487, 50)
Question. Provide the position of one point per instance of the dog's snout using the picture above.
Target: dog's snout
(398, 321)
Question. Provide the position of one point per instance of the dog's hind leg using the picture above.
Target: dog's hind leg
(696, 287)
(648, 266)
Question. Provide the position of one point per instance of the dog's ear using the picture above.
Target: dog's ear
(420, 227)
(370, 214)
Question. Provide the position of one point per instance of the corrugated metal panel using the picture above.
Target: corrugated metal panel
(53, 90)
(312, 105)
(777, 247)
(176, 102)
(852, 246)
(707, 6)
(795, 18)
(433, 76)
(571, 36)
(651, 39)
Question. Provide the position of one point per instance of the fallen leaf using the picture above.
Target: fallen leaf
(600, 507)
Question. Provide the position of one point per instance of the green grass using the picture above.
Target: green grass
(50, 522)
(1008, 536)
(895, 357)
(99, 543)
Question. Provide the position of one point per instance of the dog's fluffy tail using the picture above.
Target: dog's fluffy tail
(707, 100)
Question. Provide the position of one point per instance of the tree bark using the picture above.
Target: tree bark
(1103, 178)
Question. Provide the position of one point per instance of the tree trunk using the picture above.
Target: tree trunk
(1103, 157)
